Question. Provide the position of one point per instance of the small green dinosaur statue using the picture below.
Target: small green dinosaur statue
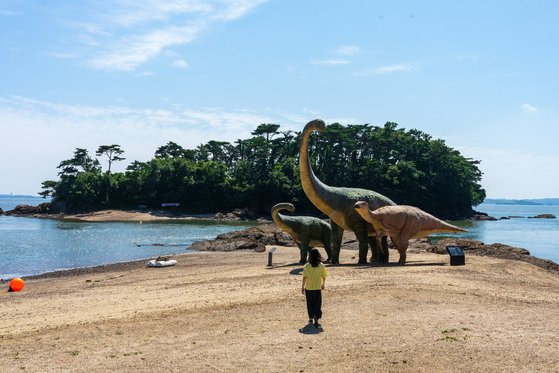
(402, 223)
(307, 231)
(338, 204)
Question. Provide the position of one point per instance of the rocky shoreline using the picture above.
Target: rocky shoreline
(256, 238)
(43, 211)
(482, 216)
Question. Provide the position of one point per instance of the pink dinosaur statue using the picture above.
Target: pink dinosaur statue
(402, 223)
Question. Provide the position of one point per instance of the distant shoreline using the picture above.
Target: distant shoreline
(114, 215)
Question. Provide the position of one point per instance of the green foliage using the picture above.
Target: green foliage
(112, 152)
(407, 166)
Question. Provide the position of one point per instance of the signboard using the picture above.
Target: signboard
(456, 255)
(170, 204)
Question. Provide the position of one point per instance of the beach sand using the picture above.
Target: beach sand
(229, 312)
(131, 215)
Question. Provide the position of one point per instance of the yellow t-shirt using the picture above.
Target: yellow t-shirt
(314, 276)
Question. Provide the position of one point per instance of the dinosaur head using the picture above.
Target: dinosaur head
(283, 206)
(315, 125)
(361, 207)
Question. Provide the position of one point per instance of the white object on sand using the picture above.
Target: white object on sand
(162, 263)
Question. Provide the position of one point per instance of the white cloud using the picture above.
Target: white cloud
(389, 69)
(331, 62)
(518, 174)
(348, 50)
(235, 9)
(130, 53)
(529, 108)
(181, 64)
(130, 13)
(51, 131)
(125, 34)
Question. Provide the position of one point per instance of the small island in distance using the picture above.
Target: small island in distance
(538, 201)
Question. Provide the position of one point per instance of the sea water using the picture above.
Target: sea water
(539, 236)
(31, 246)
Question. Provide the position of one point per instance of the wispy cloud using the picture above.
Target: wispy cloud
(331, 62)
(389, 69)
(348, 50)
(511, 174)
(59, 128)
(181, 64)
(529, 108)
(131, 52)
(121, 35)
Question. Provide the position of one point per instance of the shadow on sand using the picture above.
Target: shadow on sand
(298, 271)
(311, 329)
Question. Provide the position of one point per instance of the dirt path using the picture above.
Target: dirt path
(228, 312)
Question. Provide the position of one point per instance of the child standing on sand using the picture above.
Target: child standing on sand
(314, 278)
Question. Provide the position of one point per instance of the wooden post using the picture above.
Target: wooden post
(270, 253)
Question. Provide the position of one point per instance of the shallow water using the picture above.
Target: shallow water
(539, 236)
(31, 246)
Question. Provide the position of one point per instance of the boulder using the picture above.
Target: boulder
(25, 210)
(482, 216)
(543, 216)
(237, 214)
(254, 238)
(475, 247)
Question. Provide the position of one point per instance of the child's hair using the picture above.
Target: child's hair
(315, 257)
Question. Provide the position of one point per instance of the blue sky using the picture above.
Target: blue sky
(483, 75)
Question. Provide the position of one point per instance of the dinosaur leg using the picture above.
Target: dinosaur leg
(379, 248)
(327, 243)
(304, 247)
(337, 233)
(384, 252)
(360, 230)
(402, 248)
(373, 244)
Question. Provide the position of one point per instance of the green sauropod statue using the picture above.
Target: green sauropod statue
(338, 204)
(402, 223)
(307, 231)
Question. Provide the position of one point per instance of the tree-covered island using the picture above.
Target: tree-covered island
(408, 166)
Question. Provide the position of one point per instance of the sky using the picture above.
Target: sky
(482, 75)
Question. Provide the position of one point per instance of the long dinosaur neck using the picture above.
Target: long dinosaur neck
(278, 218)
(368, 216)
(313, 188)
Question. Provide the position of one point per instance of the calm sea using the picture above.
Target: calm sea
(31, 246)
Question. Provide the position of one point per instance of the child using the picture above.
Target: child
(314, 277)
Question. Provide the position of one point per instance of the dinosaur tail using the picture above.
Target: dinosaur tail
(449, 228)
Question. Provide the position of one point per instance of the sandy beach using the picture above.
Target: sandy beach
(229, 312)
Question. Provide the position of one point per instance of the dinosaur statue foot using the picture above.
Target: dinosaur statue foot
(362, 262)
(302, 261)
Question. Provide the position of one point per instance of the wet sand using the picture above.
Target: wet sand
(229, 312)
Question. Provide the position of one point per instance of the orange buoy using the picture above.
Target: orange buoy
(16, 284)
